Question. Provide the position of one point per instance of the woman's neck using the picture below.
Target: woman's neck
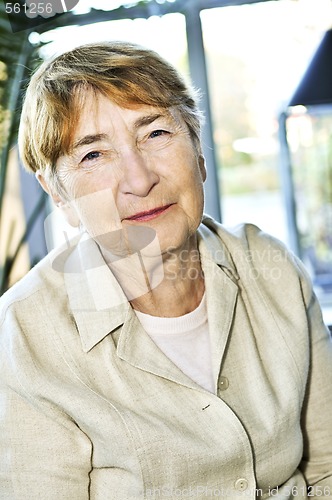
(182, 287)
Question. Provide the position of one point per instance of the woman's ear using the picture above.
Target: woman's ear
(67, 209)
(46, 187)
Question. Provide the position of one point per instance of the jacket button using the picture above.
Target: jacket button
(241, 484)
(223, 383)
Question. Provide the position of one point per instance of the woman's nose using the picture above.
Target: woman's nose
(139, 176)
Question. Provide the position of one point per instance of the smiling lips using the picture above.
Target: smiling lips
(150, 214)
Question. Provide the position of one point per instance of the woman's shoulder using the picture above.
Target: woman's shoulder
(255, 253)
(249, 242)
(41, 283)
(244, 235)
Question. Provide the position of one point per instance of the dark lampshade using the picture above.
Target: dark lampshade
(316, 84)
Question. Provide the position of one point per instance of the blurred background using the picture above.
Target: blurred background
(264, 69)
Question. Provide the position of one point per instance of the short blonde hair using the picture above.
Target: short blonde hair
(127, 73)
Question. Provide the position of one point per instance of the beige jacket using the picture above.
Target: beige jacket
(90, 408)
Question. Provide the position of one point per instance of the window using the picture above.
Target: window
(256, 55)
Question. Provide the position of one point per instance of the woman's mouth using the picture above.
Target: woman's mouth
(149, 214)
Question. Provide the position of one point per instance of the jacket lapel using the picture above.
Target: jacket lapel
(221, 293)
(136, 348)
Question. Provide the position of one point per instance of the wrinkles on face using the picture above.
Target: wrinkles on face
(94, 165)
(125, 162)
(80, 180)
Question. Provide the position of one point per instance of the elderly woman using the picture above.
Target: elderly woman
(157, 354)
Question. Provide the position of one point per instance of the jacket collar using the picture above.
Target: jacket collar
(96, 299)
(212, 247)
(99, 305)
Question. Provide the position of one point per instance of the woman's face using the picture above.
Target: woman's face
(133, 168)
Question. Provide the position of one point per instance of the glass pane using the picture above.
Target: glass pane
(310, 142)
(256, 56)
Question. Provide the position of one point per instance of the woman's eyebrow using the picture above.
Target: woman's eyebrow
(88, 139)
(148, 119)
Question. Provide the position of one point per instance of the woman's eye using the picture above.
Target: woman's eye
(158, 133)
(93, 155)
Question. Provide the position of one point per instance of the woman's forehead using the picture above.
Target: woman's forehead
(99, 114)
